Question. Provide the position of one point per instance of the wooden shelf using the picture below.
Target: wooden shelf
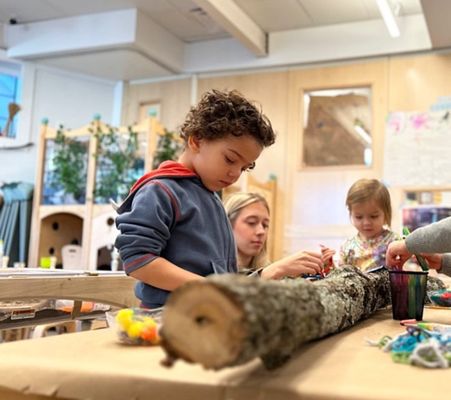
(89, 224)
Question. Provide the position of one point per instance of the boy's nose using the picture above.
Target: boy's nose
(234, 173)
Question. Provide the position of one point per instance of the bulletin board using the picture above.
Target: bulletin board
(418, 149)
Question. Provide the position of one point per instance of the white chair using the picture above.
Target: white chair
(71, 255)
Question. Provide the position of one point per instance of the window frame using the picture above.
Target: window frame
(6, 71)
(26, 72)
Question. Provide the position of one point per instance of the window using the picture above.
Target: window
(337, 127)
(9, 94)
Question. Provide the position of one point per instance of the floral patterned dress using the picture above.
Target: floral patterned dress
(366, 253)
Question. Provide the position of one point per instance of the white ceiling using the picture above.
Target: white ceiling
(173, 37)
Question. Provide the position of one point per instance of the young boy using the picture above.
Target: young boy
(173, 227)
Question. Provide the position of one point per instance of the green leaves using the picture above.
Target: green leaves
(70, 165)
(118, 163)
(168, 148)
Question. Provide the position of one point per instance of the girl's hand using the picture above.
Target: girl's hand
(397, 254)
(327, 257)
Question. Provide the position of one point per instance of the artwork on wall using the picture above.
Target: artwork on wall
(417, 149)
(337, 127)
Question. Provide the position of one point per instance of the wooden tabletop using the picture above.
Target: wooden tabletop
(88, 365)
(110, 288)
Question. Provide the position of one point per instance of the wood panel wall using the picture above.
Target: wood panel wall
(173, 96)
(270, 90)
(311, 205)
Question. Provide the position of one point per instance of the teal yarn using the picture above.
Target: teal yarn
(427, 348)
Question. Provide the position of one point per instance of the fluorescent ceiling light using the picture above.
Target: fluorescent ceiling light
(389, 17)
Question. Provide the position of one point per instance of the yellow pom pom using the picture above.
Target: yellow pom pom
(134, 330)
(124, 317)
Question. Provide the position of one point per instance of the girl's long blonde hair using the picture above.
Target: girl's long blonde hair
(233, 205)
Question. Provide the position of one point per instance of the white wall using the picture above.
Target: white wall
(63, 98)
(2, 36)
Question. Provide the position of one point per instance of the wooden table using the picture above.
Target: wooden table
(92, 365)
(112, 288)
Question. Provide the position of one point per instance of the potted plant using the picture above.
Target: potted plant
(69, 167)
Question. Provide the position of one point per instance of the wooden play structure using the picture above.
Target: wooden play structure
(88, 222)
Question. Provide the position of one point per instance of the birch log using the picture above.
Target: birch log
(229, 319)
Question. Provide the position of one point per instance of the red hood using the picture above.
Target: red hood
(167, 169)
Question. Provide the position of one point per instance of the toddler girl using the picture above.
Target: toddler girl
(368, 202)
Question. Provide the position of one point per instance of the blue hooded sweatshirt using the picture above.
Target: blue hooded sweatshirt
(169, 213)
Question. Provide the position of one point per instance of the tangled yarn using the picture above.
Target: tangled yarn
(423, 344)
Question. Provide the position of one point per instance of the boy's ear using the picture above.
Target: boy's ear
(194, 143)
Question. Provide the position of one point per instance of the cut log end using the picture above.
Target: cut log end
(202, 324)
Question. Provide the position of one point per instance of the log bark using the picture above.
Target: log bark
(228, 320)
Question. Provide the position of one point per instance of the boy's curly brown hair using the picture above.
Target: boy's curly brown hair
(222, 113)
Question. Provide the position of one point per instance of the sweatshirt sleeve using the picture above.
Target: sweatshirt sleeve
(433, 238)
(145, 227)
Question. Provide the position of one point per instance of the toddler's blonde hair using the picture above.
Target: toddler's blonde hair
(370, 189)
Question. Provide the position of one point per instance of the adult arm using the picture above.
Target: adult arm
(433, 238)
(429, 241)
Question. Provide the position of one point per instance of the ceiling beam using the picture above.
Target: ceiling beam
(93, 33)
(310, 45)
(436, 13)
(235, 21)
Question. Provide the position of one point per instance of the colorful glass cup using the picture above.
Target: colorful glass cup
(408, 291)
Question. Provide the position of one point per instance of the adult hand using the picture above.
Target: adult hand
(302, 262)
(434, 260)
(397, 254)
